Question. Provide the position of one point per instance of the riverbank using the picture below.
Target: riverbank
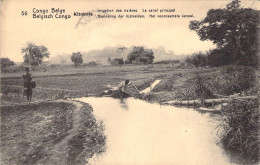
(53, 132)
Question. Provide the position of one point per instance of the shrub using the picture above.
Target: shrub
(6, 62)
(92, 63)
(196, 87)
(139, 55)
(200, 87)
(233, 79)
(13, 69)
(167, 62)
(240, 129)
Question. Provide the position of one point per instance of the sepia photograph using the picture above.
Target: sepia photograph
(113, 82)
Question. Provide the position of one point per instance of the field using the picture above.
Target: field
(176, 84)
(57, 128)
(48, 133)
(72, 82)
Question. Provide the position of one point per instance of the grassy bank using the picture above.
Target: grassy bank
(44, 133)
(239, 131)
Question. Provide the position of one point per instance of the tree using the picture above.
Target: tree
(119, 61)
(115, 61)
(234, 30)
(6, 62)
(121, 49)
(34, 54)
(218, 57)
(140, 55)
(197, 59)
(77, 59)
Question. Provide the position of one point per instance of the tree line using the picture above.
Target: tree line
(234, 30)
(138, 55)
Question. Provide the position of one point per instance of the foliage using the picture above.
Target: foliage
(139, 55)
(89, 140)
(202, 91)
(77, 59)
(208, 83)
(6, 62)
(116, 61)
(197, 59)
(12, 69)
(34, 54)
(240, 129)
(218, 57)
(121, 50)
(167, 62)
(232, 79)
(234, 30)
(92, 63)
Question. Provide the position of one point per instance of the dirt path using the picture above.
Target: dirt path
(58, 154)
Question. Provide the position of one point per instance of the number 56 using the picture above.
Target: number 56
(24, 13)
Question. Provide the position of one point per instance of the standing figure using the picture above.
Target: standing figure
(27, 79)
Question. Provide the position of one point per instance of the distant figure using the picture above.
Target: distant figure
(122, 86)
(27, 79)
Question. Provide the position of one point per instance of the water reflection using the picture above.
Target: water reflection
(154, 134)
(123, 103)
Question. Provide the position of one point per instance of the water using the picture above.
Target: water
(147, 90)
(143, 133)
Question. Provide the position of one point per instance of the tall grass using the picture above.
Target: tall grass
(195, 87)
(233, 79)
(89, 140)
(239, 131)
(225, 81)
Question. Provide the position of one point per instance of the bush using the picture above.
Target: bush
(92, 63)
(13, 69)
(201, 89)
(21, 68)
(233, 79)
(195, 88)
(167, 62)
(240, 129)
(197, 59)
(115, 61)
(139, 55)
(6, 62)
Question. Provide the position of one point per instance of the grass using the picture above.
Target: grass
(239, 131)
(90, 139)
(26, 131)
(34, 133)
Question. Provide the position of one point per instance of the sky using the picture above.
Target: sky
(63, 36)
